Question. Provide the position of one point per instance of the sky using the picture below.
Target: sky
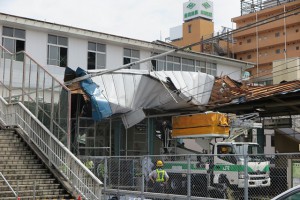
(147, 20)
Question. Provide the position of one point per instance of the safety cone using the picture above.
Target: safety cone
(79, 198)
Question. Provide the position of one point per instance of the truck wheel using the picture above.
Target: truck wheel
(177, 185)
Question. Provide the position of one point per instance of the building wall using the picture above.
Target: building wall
(199, 27)
(269, 147)
(234, 73)
(286, 70)
(113, 52)
(36, 45)
(77, 53)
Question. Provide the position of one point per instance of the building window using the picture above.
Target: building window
(159, 64)
(57, 51)
(200, 66)
(130, 56)
(297, 47)
(14, 41)
(277, 51)
(211, 68)
(96, 55)
(277, 34)
(189, 28)
(241, 58)
(297, 30)
(173, 63)
(188, 65)
(249, 41)
(249, 56)
(240, 43)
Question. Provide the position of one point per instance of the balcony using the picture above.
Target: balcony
(268, 41)
(292, 20)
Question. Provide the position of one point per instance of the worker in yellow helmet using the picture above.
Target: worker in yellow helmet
(159, 177)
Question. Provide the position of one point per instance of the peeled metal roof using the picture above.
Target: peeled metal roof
(278, 99)
(129, 92)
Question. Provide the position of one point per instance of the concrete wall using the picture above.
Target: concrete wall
(286, 70)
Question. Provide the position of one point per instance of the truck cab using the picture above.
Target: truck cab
(230, 159)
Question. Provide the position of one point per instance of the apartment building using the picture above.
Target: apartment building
(277, 38)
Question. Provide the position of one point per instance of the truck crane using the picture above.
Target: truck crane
(224, 154)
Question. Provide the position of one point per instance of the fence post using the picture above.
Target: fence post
(246, 177)
(105, 176)
(143, 177)
(189, 178)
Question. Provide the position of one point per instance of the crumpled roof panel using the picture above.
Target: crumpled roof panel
(132, 90)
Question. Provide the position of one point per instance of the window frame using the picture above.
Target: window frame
(16, 41)
(131, 58)
(97, 52)
(60, 49)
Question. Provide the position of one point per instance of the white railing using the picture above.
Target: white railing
(80, 177)
(23, 79)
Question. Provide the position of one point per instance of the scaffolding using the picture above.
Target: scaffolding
(251, 6)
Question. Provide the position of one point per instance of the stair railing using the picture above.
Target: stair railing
(7, 183)
(23, 79)
(58, 155)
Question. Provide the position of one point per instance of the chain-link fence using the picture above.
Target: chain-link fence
(200, 176)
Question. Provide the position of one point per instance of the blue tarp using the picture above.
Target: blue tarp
(100, 106)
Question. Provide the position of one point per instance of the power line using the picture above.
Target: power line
(259, 23)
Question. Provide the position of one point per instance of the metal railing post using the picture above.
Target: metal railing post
(23, 79)
(10, 79)
(37, 91)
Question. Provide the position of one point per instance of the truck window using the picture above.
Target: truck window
(225, 149)
(225, 152)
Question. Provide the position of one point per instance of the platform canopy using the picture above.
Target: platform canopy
(130, 92)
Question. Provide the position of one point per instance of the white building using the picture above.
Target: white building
(53, 44)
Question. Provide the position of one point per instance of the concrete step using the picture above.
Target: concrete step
(15, 162)
(16, 152)
(27, 176)
(31, 187)
(20, 148)
(12, 144)
(53, 192)
(25, 172)
(18, 157)
(7, 132)
(11, 137)
(48, 197)
(20, 166)
(29, 181)
(6, 172)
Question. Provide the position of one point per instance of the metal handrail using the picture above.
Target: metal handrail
(54, 125)
(12, 54)
(7, 183)
(76, 173)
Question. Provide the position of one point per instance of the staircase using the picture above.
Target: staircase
(25, 172)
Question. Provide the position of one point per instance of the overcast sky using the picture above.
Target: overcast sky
(139, 19)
